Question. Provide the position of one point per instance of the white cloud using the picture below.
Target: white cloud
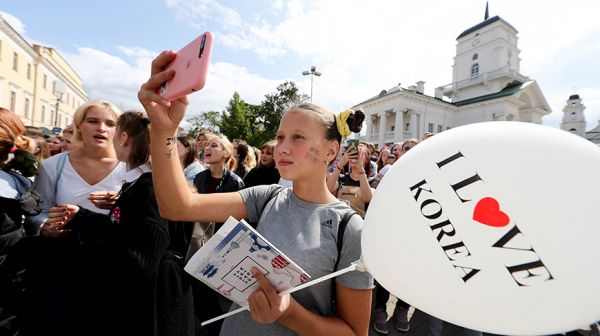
(110, 77)
(363, 47)
(14, 22)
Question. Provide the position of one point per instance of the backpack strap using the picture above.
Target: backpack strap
(340, 234)
(340, 244)
(271, 196)
(60, 164)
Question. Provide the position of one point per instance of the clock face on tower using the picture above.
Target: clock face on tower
(475, 42)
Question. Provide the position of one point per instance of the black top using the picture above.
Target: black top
(262, 175)
(132, 247)
(229, 182)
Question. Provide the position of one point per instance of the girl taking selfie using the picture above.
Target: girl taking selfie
(302, 221)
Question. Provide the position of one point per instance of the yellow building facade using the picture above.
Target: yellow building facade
(36, 83)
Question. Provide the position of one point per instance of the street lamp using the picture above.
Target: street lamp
(313, 72)
(58, 101)
(59, 90)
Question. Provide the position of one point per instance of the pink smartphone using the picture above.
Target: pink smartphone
(191, 68)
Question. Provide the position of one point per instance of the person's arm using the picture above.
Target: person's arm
(332, 181)
(44, 184)
(175, 199)
(353, 311)
(366, 193)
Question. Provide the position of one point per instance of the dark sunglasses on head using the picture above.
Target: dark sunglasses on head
(406, 148)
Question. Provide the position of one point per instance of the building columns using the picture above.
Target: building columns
(369, 128)
(399, 125)
(413, 125)
(382, 122)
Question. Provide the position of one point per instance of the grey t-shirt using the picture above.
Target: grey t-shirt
(307, 234)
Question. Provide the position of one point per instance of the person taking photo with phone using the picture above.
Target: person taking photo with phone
(301, 221)
(353, 187)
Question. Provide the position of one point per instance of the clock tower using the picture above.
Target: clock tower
(573, 117)
(487, 60)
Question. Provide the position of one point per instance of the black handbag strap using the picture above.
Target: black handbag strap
(340, 244)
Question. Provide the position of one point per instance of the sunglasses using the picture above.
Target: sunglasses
(406, 148)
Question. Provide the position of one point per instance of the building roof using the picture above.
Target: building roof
(397, 88)
(483, 24)
(509, 90)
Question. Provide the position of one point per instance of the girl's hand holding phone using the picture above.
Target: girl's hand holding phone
(164, 116)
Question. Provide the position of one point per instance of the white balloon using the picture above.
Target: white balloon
(492, 226)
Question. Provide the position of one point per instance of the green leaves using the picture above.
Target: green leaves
(256, 124)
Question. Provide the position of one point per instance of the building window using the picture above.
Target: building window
(475, 70)
(475, 56)
(430, 127)
(572, 130)
(28, 70)
(15, 61)
(45, 81)
(43, 116)
(13, 101)
(26, 108)
(439, 128)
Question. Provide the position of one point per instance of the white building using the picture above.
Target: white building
(574, 120)
(486, 86)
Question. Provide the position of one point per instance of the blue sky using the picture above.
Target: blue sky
(361, 47)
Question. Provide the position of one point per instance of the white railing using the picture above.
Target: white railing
(500, 72)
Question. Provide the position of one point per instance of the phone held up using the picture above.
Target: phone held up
(191, 68)
(352, 144)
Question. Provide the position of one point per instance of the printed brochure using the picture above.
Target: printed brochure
(225, 261)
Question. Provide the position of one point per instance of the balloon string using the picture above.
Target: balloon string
(357, 265)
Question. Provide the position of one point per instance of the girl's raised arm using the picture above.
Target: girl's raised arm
(175, 199)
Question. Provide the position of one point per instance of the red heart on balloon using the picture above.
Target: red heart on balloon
(487, 211)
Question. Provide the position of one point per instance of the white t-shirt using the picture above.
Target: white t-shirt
(71, 188)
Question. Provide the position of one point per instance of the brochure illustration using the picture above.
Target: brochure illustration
(225, 261)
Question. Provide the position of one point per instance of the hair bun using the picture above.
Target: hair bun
(355, 120)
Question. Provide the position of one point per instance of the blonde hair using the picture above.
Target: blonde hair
(81, 111)
(227, 147)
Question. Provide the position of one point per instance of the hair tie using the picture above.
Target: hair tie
(342, 125)
(13, 149)
(146, 121)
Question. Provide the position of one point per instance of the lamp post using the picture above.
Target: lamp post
(313, 72)
(58, 101)
(59, 90)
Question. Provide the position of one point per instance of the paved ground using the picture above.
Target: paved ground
(418, 326)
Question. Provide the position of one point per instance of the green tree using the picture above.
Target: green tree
(237, 121)
(203, 122)
(272, 109)
(256, 124)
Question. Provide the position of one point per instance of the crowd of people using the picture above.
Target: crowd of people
(98, 222)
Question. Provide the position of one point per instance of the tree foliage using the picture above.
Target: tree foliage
(256, 124)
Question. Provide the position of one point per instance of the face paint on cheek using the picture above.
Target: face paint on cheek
(313, 155)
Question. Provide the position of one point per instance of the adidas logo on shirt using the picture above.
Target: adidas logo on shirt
(327, 223)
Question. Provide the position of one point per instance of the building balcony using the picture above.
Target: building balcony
(504, 71)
